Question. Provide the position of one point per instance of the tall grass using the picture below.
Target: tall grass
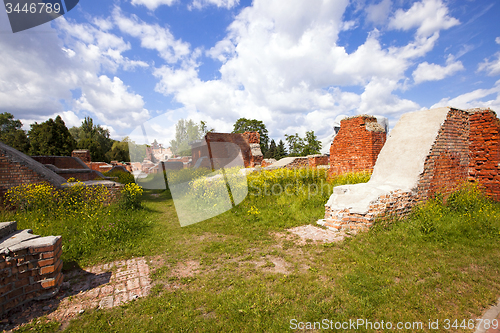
(80, 215)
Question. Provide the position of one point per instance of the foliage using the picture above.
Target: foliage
(51, 138)
(465, 215)
(93, 137)
(186, 132)
(312, 144)
(119, 151)
(298, 146)
(131, 196)
(280, 151)
(243, 125)
(11, 133)
(122, 176)
(272, 152)
(137, 152)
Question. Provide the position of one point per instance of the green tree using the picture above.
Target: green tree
(185, 132)
(311, 144)
(51, 138)
(280, 150)
(204, 128)
(93, 137)
(137, 152)
(119, 151)
(271, 152)
(295, 144)
(298, 146)
(11, 133)
(252, 125)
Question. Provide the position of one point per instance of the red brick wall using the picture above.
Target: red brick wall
(467, 147)
(84, 155)
(14, 174)
(445, 167)
(62, 162)
(32, 270)
(315, 160)
(484, 155)
(243, 140)
(356, 148)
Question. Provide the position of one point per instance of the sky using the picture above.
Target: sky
(138, 66)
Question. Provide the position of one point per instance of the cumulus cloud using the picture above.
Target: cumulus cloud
(434, 72)
(112, 102)
(283, 66)
(378, 13)
(428, 16)
(152, 4)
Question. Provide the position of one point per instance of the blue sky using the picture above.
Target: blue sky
(296, 65)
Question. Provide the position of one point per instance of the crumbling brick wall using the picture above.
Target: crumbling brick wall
(357, 145)
(248, 142)
(446, 166)
(83, 155)
(298, 162)
(17, 169)
(317, 160)
(467, 147)
(61, 162)
(484, 164)
(30, 266)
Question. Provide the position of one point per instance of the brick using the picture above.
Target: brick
(48, 283)
(46, 262)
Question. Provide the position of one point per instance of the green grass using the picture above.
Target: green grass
(442, 262)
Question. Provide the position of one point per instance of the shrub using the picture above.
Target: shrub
(130, 196)
(122, 176)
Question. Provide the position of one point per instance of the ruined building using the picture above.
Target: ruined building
(427, 152)
(248, 142)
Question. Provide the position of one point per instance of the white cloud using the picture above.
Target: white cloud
(152, 4)
(378, 99)
(429, 16)
(476, 98)
(228, 4)
(378, 13)
(434, 72)
(282, 65)
(152, 37)
(492, 68)
(112, 103)
(497, 40)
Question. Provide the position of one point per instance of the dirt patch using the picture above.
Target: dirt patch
(309, 233)
(186, 269)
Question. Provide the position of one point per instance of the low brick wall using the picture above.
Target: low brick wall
(298, 162)
(396, 202)
(17, 169)
(317, 160)
(30, 266)
(61, 162)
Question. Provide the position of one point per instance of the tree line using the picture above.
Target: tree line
(53, 138)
